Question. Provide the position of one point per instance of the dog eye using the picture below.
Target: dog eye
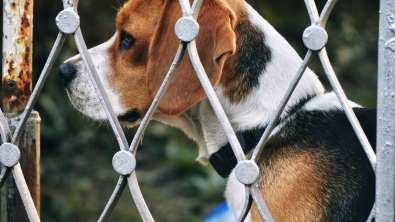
(126, 41)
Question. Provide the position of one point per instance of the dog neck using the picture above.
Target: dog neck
(251, 102)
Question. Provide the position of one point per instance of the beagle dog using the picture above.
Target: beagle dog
(313, 167)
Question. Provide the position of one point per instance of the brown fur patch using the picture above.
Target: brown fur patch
(216, 40)
(223, 24)
(292, 186)
(139, 72)
(139, 19)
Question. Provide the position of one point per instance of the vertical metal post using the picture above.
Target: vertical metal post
(17, 89)
(17, 55)
(12, 207)
(385, 168)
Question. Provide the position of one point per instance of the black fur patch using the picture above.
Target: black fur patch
(252, 55)
(130, 116)
(349, 190)
(224, 160)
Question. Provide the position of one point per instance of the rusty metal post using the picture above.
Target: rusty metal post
(17, 89)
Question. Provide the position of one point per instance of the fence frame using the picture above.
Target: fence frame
(315, 39)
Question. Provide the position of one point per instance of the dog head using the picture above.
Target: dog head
(134, 62)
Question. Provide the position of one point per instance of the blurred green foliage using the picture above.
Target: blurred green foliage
(77, 178)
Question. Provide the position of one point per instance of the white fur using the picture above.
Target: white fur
(327, 101)
(81, 91)
(235, 196)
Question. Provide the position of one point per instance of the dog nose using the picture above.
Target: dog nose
(66, 72)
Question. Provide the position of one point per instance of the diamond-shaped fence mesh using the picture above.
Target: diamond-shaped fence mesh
(247, 171)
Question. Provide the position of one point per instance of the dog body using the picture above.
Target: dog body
(313, 167)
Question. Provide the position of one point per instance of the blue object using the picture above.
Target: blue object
(221, 213)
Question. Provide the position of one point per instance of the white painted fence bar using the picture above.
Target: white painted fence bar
(385, 170)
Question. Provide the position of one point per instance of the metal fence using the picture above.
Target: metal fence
(247, 171)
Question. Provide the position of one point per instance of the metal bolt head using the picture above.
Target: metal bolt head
(187, 29)
(68, 21)
(247, 172)
(70, 2)
(315, 38)
(124, 163)
(9, 154)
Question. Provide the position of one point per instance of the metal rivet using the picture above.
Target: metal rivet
(68, 21)
(12, 85)
(9, 154)
(187, 29)
(315, 38)
(124, 163)
(390, 44)
(247, 172)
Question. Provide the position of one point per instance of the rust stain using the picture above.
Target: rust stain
(11, 69)
(26, 58)
(25, 24)
(27, 4)
(15, 97)
(13, 6)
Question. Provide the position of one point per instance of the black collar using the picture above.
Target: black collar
(224, 160)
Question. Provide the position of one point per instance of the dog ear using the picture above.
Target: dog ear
(215, 42)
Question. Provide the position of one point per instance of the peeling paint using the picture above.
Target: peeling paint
(17, 51)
